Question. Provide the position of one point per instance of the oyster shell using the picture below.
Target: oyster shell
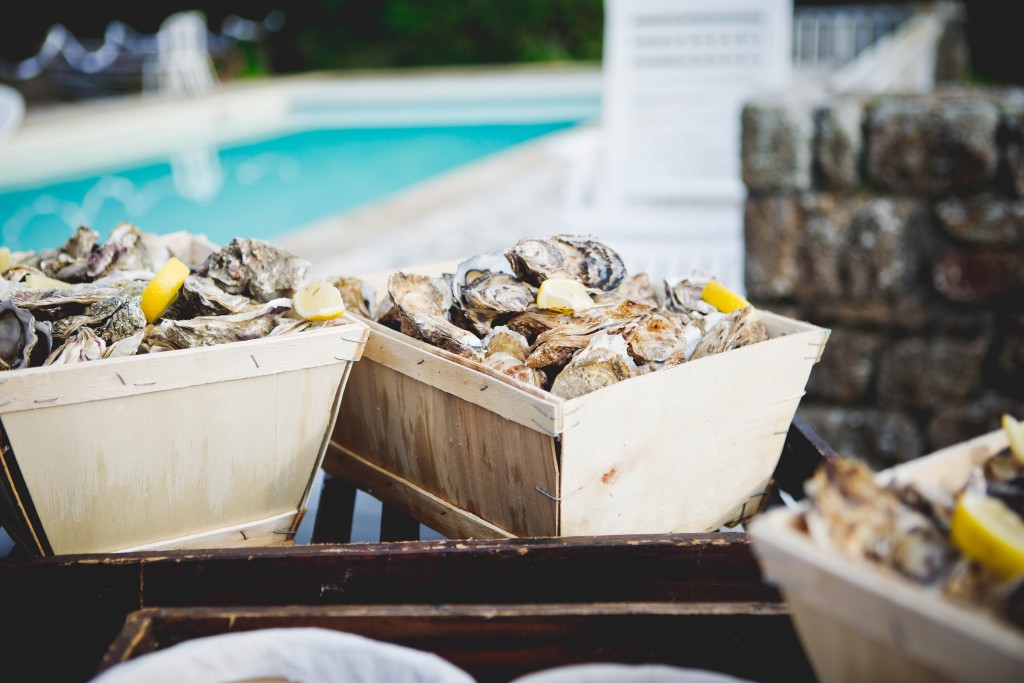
(657, 339)
(188, 248)
(513, 367)
(69, 263)
(739, 328)
(221, 329)
(24, 341)
(498, 292)
(256, 269)
(200, 296)
(85, 345)
(126, 248)
(126, 321)
(683, 295)
(127, 346)
(636, 288)
(535, 321)
(556, 346)
(94, 315)
(578, 257)
(422, 305)
(602, 363)
(503, 340)
(855, 515)
(471, 269)
(357, 294)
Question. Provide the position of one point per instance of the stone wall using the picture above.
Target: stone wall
(898, 222)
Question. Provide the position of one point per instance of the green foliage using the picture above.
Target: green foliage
(337, 34)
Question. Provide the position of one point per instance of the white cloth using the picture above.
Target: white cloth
(626, 673)
(303, 655)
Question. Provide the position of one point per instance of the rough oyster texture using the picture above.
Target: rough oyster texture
(19, 335)
(515, 368)
(657, 340)
(737, 329)
(503, 340)
(256, 269)
(684, 295)
(637, 288)
(556, 346)
(855, 515)
(125, 249)
(357, 295)
(201, 296)
(422, 305)
(221, 329)
(69, 263)
(581, 258)
(498, 292)
(604, 362)
(85, 345)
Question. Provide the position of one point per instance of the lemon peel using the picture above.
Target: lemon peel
(722, 298)
(564, 296)
(1015, 433)
(163, 289)
(318, 300)
(984, 529)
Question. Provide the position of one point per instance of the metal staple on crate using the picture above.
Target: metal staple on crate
(46, 400)
(558, 499)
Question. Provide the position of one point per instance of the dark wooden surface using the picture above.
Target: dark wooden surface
(76, 605)
(753, 640)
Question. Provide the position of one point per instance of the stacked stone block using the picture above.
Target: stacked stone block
(898, 222)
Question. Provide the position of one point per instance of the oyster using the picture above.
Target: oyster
(503, 340)
(578, 257)
(739, 328)
(422, 304)
(535, 321)
(83, 346)
(126, 321)
(357, 295)
(186, 247)
(126, 248)
(387, 313)
(56, 302)
(471, 269)
(656, 340)
(855, 515)
(94, 315)
(498, 292)
(683, 295)
(24, 341)
(513, 367)
(69, 263)
(221, 329)
(127, 346)
(254, 268)
(636, 288)
(556, 346)
(602, 363)
(202, 296)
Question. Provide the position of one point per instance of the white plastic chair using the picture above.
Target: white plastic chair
(182, 65)
(665, 178)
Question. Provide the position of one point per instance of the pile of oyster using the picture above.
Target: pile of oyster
(82, 301)
(907, 528)
(487, 311)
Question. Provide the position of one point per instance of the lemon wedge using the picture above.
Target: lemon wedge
(163, 289)
(1015, 433)
(5, 259)
(318, 300)
(722, 298)
(563, 295)
(33, 281)
(990, 533)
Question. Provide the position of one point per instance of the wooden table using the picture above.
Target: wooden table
(496, 608)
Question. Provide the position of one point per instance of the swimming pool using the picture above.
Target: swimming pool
(263, 160)
(262, 189)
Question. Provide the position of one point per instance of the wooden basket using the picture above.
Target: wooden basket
(204, 447)
(858, 622)
(473, 455)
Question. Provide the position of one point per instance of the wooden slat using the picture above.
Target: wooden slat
(462, 453)
(500, 642)
(44, 388)
(685, 449)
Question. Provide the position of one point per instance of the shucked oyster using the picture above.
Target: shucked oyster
(498, 292)
(657, 340)
(24, 341)
(582, 258)
(83, 346)
(422, 304)
(503, 340)
(202, 296)
(556, 346)
(256, 269)
(126, 248)
(69, 263)
(516, 369)
(684, 295)
(604, 362)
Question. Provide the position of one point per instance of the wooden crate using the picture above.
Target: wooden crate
(467, 452)
(858, 622)
(204, 447)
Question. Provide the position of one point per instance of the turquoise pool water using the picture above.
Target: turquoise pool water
(262, 189)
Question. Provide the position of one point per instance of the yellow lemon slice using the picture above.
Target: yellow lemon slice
(5, 259)
(163, 289)
(722, 298)
(33, 281)
(990, 533)
(1015, 433)
(318, 300)
(563, 295)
